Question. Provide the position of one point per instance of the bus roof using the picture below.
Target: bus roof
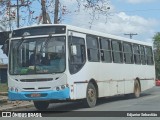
(92, 32)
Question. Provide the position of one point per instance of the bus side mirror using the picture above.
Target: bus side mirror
(5, 49)
(73, 50)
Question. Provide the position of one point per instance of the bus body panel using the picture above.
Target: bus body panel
(111, 80)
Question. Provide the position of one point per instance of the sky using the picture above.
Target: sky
(124, 16)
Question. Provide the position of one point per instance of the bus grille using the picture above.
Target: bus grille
(40, 88)
(36, 80)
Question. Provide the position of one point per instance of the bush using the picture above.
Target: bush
(3, 87)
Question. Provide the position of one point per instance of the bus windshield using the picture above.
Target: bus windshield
(37, 55)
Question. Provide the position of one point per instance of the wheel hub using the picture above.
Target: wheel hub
(91, 94)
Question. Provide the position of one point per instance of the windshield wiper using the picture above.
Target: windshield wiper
(45, 43)
(19, 43)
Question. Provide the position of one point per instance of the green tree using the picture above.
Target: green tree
(156, 42)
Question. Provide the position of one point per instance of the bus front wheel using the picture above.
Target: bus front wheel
(91, 95)
(41, 105)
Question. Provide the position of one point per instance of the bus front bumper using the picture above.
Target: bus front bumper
(39, 95)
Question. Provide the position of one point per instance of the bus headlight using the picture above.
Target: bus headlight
(16, 89)
(62, 87)
(12, 89)
(57, 88)
(67, 85)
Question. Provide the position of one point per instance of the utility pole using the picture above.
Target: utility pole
(17, 14)
(9, 5)
(18, 6)
(56, 11)
(44, 15)
(131, 34)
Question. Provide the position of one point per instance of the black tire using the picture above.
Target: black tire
(41, 105)
(91, 96)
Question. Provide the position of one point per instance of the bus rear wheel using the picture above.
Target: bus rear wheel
(137, 89)
(41, 105)
(91, 96)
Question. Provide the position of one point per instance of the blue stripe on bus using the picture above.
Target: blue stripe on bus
(45, 95)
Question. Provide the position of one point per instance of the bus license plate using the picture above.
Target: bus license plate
(35, 95)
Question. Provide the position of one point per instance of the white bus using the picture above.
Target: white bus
(50, 63)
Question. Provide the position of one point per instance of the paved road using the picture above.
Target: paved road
(149, 101)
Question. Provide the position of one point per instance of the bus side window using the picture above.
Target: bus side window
(93, 48)
(77, 53)
(143, 58)
(137, 57)
(105, 50)
(149, 56)
(117, 51)
(128, 54)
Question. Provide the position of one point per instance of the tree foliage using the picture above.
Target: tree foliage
(30, 11)
(156, 42)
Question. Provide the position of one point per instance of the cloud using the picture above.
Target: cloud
(118, 24)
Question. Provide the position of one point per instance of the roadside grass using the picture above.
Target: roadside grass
(3, 87)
